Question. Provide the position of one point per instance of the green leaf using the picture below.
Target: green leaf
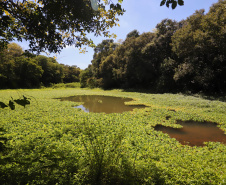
(174, 4)
(112, 6)
(181, 2)
(3, 105)
(162, 2)
(167, 4)
(118, 7)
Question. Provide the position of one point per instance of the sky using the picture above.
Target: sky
(142, 15)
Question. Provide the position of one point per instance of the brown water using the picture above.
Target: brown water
(106, 104)
(194, 133)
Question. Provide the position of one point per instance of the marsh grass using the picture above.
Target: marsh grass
(50, 142)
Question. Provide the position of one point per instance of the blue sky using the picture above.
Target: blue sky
(142, 15)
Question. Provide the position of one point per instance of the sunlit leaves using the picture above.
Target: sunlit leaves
(45, 28)
(39, 23)
(199, 45)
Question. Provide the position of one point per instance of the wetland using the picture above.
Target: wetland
(106, 104)
(52, 140)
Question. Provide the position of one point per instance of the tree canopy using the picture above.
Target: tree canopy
(51, 25)
(178, 56)
(19, 69)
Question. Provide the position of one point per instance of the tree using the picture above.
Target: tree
(133, 33)
(200, 47)
(159, 54)
(101, 51)
(28, 72)
(85, 75)
(53, 71)
(48, 29)
(106, 72)
(132, 70)
(17, 70)
(8, 78)
(71, 73)
(13, 50)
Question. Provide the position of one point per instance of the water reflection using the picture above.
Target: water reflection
(194, 133)
(106, 104)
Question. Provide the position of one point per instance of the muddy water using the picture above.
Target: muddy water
(106, 104)
(195, 133)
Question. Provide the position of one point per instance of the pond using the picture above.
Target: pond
(106, 104)
(194, 133)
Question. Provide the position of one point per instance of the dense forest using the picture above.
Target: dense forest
(176, 57)
(19, 69)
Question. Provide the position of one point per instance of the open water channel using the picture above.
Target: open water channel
(106, 104)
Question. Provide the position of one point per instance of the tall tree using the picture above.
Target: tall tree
(101, 51)
(160, 55)
(53, 71)
(28, 72)
(200, 45)
(133, 33)
(132, 68)
(17, 70)
(71, 73)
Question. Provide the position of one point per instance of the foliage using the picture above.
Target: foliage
(20, 69)
(136, 63)
(50, 142)
(66, 85)
(47, 29)
(53, 72)
(85, 75)
(173, 3)
(177, 57)
(133, 33)
(200, 45)
(71, 73)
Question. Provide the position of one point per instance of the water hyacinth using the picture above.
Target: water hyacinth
(50, 142)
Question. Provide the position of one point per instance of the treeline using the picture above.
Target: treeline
(177, 56)
(19, 69)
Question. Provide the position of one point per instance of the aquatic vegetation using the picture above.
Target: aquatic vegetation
(50, 142)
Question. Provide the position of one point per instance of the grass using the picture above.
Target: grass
(50, 142)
